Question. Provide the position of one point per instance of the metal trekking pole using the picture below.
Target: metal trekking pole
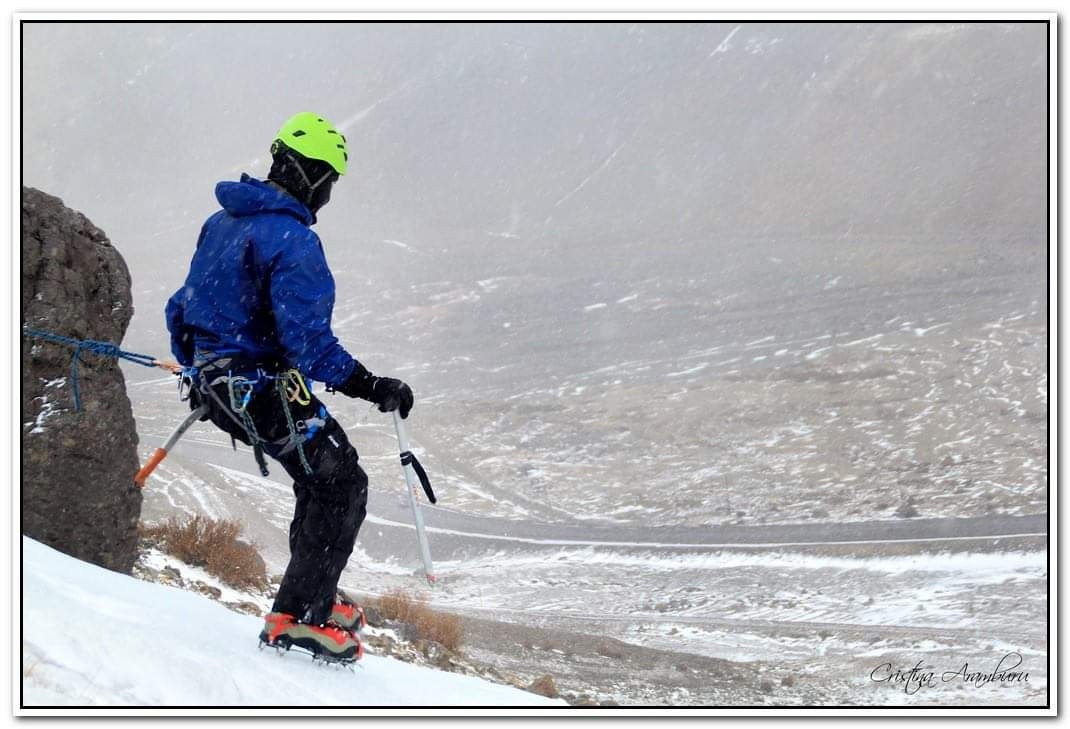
(411, 466)
(161, 453)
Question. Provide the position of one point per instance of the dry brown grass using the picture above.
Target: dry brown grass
(213, 545)
(28, 669)
(429, 624)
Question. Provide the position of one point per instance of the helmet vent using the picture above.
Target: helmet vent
(312, 136)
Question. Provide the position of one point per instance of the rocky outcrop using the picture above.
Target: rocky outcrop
(544, 686)
(78, 467)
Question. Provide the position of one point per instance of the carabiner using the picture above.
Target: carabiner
(240, 387)
(296, 389)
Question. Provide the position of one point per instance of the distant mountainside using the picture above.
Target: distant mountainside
(668, 132)
(497, 137)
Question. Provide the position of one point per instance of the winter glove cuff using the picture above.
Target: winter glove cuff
(388, 393)
(360, 383)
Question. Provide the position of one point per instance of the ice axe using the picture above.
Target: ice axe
(161, 453)
(411, 466)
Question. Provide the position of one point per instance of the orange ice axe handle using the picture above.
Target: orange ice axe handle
(150, 465)
(161, 453)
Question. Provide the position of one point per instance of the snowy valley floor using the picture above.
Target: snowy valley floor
(764, 629)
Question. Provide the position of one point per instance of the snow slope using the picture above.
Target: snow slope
(133, 643)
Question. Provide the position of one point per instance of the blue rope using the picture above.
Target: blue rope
(102, 349)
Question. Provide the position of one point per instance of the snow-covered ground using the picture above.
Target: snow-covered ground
(91, 637)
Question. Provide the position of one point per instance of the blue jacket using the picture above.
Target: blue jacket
(259, 284)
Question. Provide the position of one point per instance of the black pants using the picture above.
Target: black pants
(331, 500)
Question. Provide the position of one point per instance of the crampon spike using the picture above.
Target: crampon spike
(281, 649)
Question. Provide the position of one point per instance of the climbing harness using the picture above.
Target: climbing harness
(289, 386)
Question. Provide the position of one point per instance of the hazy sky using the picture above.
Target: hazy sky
(496, 148)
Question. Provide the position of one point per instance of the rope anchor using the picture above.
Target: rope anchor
(101, 349)
(290, 386)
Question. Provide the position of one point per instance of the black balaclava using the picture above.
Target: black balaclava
(308, 180)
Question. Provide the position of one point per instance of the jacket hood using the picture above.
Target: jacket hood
(250, 196)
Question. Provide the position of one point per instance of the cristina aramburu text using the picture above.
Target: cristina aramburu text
(919, 677)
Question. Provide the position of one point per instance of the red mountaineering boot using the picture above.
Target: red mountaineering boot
(348, 615)
(327, 642)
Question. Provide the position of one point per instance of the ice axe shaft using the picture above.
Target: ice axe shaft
(161, 453)
(408, 464)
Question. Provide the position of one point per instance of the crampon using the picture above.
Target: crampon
(328, 644)
(282, 647)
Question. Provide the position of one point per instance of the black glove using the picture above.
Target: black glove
(386, 392)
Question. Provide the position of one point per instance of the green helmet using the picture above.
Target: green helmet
(313, 136)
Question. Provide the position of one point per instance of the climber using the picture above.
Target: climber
(251, 323)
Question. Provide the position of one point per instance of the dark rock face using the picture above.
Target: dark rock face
(78, 468)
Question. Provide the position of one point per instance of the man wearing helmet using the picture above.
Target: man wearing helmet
(252, 320)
